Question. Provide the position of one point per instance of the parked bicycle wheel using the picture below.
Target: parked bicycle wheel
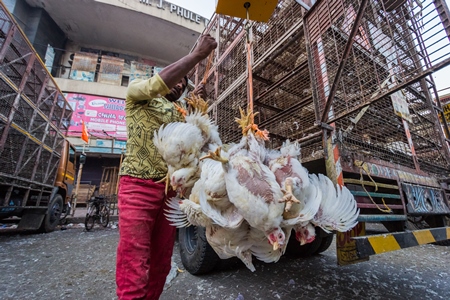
(89, 221)
(104, 215)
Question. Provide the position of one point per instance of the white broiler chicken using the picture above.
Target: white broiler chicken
(302, 199)
(226, 242)
(210, 191)
(337, 210)
(179, 145)
(263, 250)
(183, 179)
(293, 179)
(229, 243)
(251, 186)
(314, 198)
(184, 213)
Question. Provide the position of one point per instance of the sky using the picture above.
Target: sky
(206, 9)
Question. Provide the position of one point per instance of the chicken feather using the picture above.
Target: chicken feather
(183, 213)
(338, 209)
(179, 144)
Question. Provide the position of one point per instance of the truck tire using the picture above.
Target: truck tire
(325, 244)
(442, 221)
(53, 215)
(296, 250)
(196, 254)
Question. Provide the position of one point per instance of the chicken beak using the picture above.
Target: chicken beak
(276, 246)
(302, 242)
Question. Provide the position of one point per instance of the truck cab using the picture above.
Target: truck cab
(34, 204)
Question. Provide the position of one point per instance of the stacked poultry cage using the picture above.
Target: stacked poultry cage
(283, 97)
(350, 80)
(375, 90)
(370, 63)
(33, 113)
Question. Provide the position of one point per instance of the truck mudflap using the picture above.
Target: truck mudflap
(381, 243)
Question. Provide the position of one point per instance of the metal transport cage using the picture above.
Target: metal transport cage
(350, 80)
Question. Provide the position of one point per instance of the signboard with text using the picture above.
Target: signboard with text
(83, 67)
(140, 70)
(104, 117)
(446, 108)
(111, 70)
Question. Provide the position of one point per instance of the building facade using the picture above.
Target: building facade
(94, 49)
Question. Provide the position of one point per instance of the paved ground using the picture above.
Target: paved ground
(74, 264)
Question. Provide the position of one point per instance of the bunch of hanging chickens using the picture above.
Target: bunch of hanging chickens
(249, 198)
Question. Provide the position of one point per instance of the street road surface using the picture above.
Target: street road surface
(74, 264)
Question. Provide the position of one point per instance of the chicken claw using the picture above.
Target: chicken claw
(263, 134)
(288, 197)
(246, 120)
(167, 182)
(180, 109)
(197, 103)
(215, 155)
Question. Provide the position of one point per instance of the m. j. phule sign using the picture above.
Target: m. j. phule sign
(187, 14)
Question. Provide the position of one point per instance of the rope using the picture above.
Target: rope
(363, 167)
(248, 27)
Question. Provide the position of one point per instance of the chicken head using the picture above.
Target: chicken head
(276, 238)
(305, 234)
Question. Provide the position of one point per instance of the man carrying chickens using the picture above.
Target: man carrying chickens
(146, 237)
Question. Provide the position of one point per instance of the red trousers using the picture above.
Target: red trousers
(146, 239)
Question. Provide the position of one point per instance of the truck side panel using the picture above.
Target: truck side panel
(33, 119)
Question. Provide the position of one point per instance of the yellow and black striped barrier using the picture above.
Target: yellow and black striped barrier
(381, 243)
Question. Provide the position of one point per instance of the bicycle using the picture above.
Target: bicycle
(98, 210)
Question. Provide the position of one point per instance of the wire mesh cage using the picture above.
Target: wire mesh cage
(370, 59)
(33, 112)
(281, 81)
(377, 82)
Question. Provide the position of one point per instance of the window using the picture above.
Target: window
(71, 155)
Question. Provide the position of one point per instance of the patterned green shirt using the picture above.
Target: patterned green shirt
(146, 110)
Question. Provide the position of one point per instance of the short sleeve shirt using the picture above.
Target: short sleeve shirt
(146, 110)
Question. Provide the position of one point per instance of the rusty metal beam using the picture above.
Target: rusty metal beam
(279, 51)
(345, 55)
(270, 107)
(16, 103)
(16, 60)
(299, 104)
(7, 41)
(275, 85)
(444, 15)
(225, 53)
(403, 85)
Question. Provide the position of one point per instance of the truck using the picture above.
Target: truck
(37, 163)
(351, 81)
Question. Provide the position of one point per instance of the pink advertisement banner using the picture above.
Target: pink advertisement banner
(104, 117)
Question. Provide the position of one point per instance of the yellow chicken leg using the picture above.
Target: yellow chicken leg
(215, 155)
(288, 197)
(246, 120)
(197, 103)
(180, 109)
(167, 181)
